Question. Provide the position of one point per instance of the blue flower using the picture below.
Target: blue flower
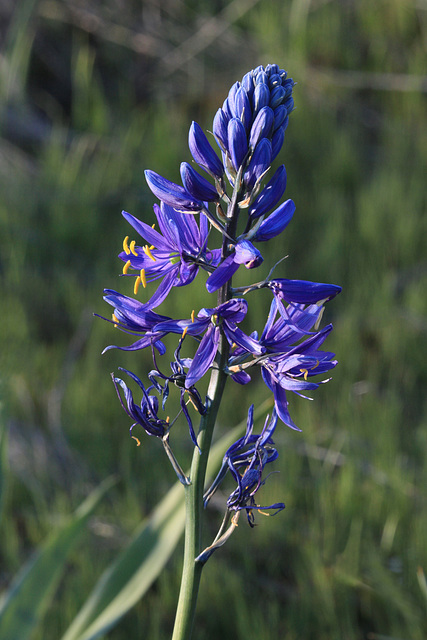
(134, 317)
(175, 254)
(290, 371)
(210, 322)
(284, 366)
(245, 460)
(245, 253)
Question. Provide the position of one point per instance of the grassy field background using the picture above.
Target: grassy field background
(91, 94)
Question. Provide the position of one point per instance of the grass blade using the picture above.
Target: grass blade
(27, 599)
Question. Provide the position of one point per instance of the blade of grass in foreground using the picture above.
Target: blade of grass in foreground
(25, 602)
(134, 571)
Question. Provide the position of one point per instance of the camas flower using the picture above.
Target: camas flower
(134, 317)
(210, 322)
(245, 460)
(284, 366)
(290, 371)
(175, 254)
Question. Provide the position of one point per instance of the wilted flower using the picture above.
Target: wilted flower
(246, 460)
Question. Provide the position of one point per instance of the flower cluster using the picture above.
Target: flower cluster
(230, 196)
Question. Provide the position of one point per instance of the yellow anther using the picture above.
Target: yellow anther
(152, 247)
(147, 251)
(136, 286)
(167, 419)
(132, 248)
(153, 225)
(126, 267)
(137, 441)
(125, 245)
(305, 372)
(192, 316)
(143, 278)
(184, 333)
(116, 320)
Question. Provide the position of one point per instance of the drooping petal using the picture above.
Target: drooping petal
(204, 356)
(222, 274)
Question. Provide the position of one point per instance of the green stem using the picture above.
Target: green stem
(192, 570)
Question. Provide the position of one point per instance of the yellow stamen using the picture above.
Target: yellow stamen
(305, 372)
(116, 320)
(167, 419)
(126, 267)
(125, 245)
(184, 333)
(147, 251)
(190, 399)
(143, 278)
(153, 225)
(136, 286)
(192, 316)
(152, 247)
(132, 248)
(138, 444)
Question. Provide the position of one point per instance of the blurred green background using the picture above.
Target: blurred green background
(91, 94)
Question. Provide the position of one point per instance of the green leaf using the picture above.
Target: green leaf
(27, 599)
(128, 578)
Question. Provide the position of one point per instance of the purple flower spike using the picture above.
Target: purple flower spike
(171, 193)
(203, 153)
(276, 222)
(197, 186)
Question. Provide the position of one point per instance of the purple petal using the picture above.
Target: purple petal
(171, 193)
(270, 195)
(276, 222)
(303, 291)
(196, 185)
(148, 233)
(262, 126)
(259, 163)
(202, 151)
(247, 254)
(222, 274)
(204, 357)
(237, 142)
